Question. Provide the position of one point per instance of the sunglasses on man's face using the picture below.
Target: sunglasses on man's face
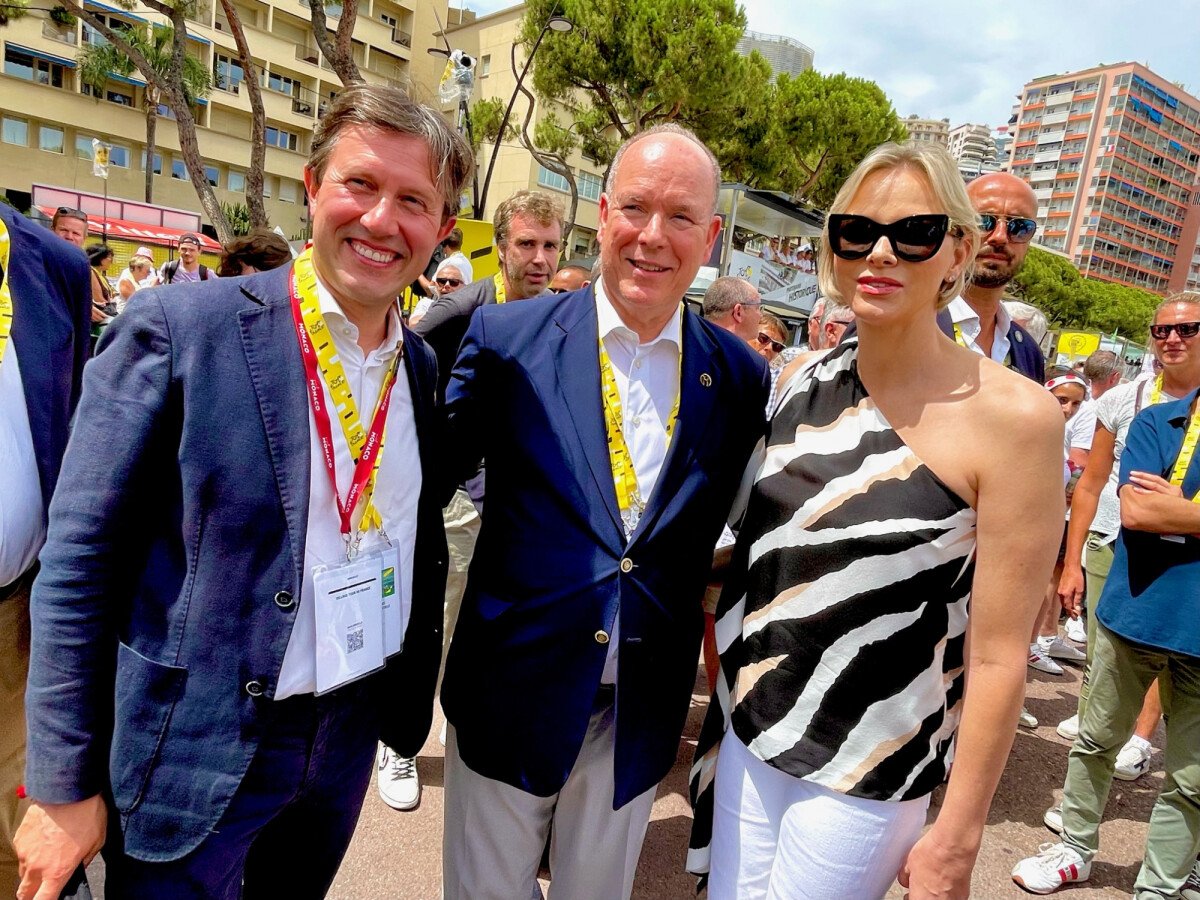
(765, 340)
(1020, 230)
(1183, 329)
(913, 239)
(449, 282)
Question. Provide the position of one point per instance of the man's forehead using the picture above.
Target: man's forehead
(521, 222)
(995, 195)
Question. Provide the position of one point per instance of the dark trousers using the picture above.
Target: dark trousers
(290, 821)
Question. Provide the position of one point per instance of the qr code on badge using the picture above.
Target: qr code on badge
(354, 640)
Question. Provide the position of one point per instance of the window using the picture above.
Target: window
(485, 64)
(83, 147)
(267, 187)
(283, 85)
(285, 140)
(16, 131)
(212, 176)
(157, 163)
(590, 186)
(179, 170)
(552, 180)
(50, 139)
(118, 156)
(390, 21)
(227, 73)
(118, 97)
(23, 65)
(287, 190)
(236, 182)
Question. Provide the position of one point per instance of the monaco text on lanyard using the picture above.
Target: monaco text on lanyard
(6, 304)
(1187, 452)
(962, 342)
(321, 362)
(501, 290)
(629, 496)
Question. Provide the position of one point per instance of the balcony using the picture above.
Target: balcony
(1054, 118)
(1043, 194)
(64, 35)
(403, 38)
(308, 54)
(201, 13)
(302, 107)
(1059, 98)
(1048, 156)
(1044, 175)
(1051, 137)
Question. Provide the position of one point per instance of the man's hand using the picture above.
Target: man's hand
(937, 870)
(1071, 588)
(1147, 483)
(54, 838)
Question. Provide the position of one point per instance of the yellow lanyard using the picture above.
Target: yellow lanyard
(1186, 452)
(629, 496)
(1156, 391)
(6, 305)
(962, 342)
(501, 291)
(338, 385)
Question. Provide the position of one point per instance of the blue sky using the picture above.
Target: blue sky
(966, 60)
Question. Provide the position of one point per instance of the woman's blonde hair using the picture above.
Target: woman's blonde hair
(941, 173)
(138, 260)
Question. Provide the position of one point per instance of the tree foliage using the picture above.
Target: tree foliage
(1069, 300)
(10, 10)
(240, 219)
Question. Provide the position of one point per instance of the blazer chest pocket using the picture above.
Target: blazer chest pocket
(146, 693)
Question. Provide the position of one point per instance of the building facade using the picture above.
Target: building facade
(935, 131)
(783, 54)
(49, 116)
(975, 149)
(1113, 155)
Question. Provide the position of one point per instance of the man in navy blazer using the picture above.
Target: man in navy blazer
(176, 624)
(570, 674)
(41, 364)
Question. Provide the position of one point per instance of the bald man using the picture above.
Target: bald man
(1007, 209)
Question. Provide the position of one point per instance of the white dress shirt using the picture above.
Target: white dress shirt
(397, 486)
(965, 317)
(22, 523)
(647, 377)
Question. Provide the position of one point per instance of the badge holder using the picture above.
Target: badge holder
(349, 619)
(397, 605)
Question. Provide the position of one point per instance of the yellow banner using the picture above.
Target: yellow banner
(1078, 343)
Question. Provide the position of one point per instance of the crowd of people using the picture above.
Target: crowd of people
(544, 497)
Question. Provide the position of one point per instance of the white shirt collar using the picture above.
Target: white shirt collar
(610, 321)
(329, 306)
(961, 312)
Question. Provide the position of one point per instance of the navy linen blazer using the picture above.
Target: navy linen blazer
(552, 565)
(52, 296)
(171, 575)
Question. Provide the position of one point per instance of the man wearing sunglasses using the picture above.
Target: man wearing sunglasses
(977, 320)
(71, 225)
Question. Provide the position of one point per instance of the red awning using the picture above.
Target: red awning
(161, 235)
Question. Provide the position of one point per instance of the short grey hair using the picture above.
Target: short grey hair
(834, 311)
(725, 293)
(1101, 365)
(667, 128)
(1028, 317)
(390, 109)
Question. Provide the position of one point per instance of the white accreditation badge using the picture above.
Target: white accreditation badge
(396, 603)
(349, 617)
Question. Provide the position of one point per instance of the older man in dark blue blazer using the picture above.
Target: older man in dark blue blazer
(43, 346)
(181, 626)
(616, 427)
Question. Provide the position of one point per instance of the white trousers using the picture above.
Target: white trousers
(776, 837)
(495, 833)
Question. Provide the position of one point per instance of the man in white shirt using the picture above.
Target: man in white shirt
(242, 593)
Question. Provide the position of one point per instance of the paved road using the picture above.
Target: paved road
(397, 855)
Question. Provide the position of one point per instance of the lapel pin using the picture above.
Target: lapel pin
(706, 379)
(1020, 338)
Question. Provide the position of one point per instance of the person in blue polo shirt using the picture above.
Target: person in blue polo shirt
(1148, 627)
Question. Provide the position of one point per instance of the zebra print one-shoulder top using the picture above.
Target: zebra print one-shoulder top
(841, 630)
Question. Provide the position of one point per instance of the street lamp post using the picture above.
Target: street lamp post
(560, 24)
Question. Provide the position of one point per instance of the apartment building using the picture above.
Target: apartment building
(935, 130)
(974, 148)
(48, 117)
(490, 40)
(782, 53)
(1113, 155)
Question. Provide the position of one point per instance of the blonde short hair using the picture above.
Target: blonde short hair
(138, 260)
(942, 175)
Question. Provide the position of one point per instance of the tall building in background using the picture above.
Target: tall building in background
(49, 116)
(1113, 155)
(975, 150)
(783, 54)
(931, 130)
(1002, 137)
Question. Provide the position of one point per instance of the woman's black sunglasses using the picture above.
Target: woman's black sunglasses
(449, 282)
(913, 239)
(1184, 329)
(1020, 231)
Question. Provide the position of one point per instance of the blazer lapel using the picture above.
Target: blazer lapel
(699, 387)
(577, 364)
(277, 373)
(421, 386)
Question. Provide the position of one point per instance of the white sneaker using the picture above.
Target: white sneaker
(1054, 866)
(1053, 819)
(1191, 887)
(399, 786)
(1028, 719)
(1134, 759)
(1076, 630)
(1043, 663)
(1069, 728)
(1057, 648)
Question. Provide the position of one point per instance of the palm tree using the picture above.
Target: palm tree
(98, 60)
